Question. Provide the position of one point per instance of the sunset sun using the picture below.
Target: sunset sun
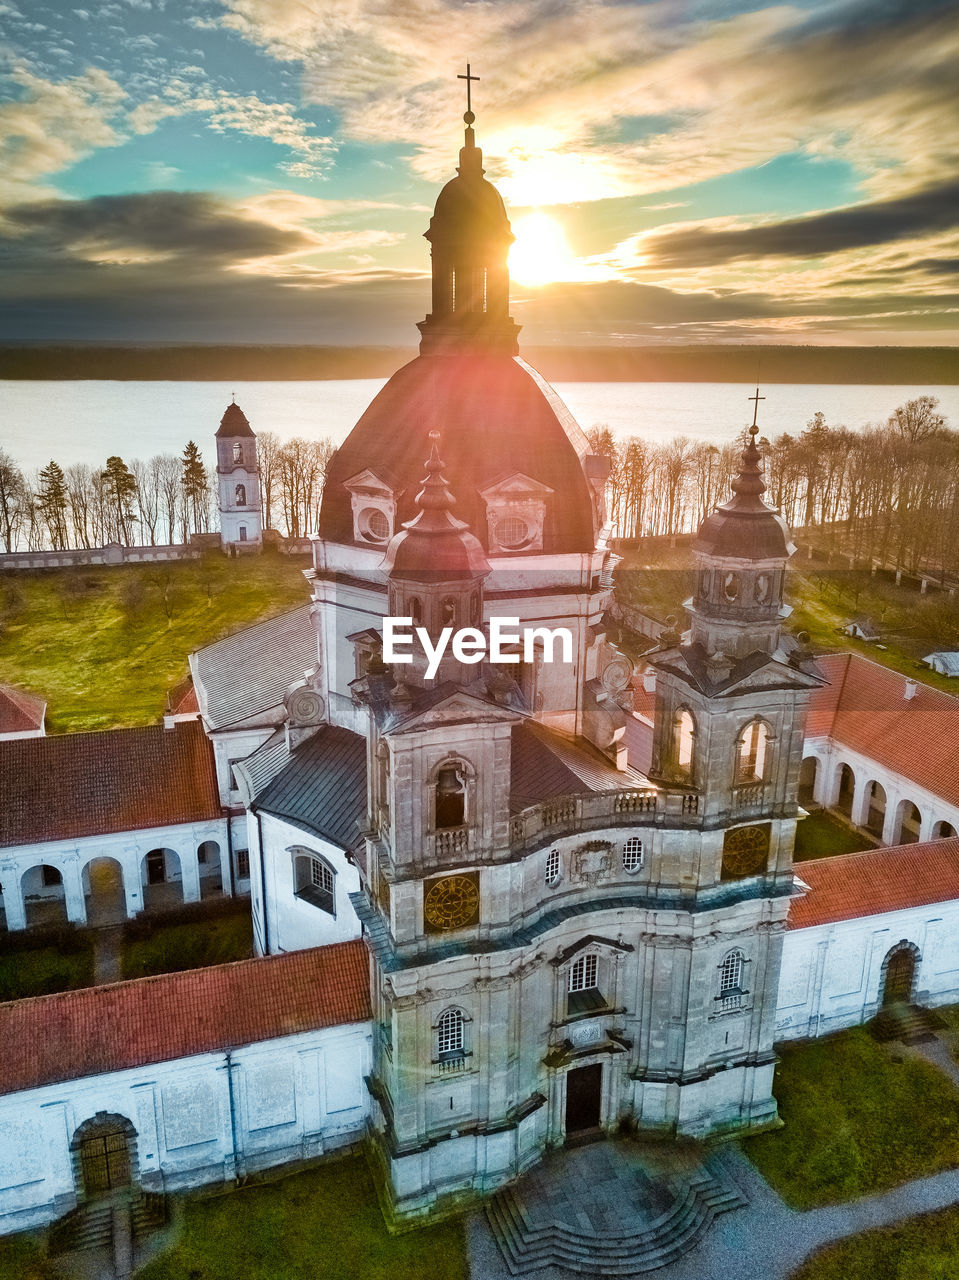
(540, 253)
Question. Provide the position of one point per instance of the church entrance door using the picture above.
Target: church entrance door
(900, 975)
(105, 1161)
(584, 1089)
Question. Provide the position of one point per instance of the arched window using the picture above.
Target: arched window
(731, 990)
(448, 611)
(633, 854)
(751, 759)
(416, 611)
(241, 495)
(552, 874)
(685, 733)
(315, 881)
(452, 1040)
(237, 452)
(450, 798)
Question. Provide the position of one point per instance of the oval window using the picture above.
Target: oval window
(374, 525)
(762, 588)
(731, 586)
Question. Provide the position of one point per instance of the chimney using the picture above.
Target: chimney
(911, 688)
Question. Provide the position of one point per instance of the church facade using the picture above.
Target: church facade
(514, 900)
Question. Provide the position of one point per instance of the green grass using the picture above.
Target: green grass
(99, 645)
(152, 945)
(23, 1258)
(856, 1121)
(923, 1248)
(820, 835)
(324, 1224)
(41, 962)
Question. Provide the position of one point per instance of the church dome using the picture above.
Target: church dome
(746, 527)
(234, 423)
(469, 209)
(498, 418)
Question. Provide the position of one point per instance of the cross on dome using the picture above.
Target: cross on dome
(468, 116)
(753, 430)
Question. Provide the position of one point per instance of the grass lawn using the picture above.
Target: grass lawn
(324, 1224)
(821, 836)
(42, 962)
(210, 936)
(103, 645)
(22, 1258)
(856, 1121)
(924, 1248)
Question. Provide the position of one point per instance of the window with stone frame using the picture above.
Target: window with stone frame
(633, 855)
(242, 857)
(582, 985)
(450, 798)
(451, 1040)
(732, 993)
(685, 734)
(752, 753)
(315, 881)
(553, 870)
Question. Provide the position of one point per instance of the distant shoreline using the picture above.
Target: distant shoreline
(876, 366)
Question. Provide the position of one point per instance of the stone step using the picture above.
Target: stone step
(528, 1247)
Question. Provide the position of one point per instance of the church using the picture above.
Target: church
(511, 901)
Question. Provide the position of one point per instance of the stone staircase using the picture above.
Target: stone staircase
(528, 1244)
(96, 1224)
(906, 1022)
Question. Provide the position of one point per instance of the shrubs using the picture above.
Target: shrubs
(40, 962)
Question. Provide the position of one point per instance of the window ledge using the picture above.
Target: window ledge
(318, 898)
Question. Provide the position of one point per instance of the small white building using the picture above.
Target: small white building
(946, 663)
(181, 1080)
(238, 483)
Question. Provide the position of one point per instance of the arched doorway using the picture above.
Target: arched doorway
(899, 975)
(807, 781)
(211, 876)
(907, 826)
(44, 897)
(103, 891)
(847, 789)
(160, 876)
(105, 1152)
(876, 808)
(943, 830)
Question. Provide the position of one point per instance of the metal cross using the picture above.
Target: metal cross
(468, 78)
(756, 398)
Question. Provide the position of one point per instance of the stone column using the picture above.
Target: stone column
(927, 822)
(130, 861)
(860, 802)
(74, 898)
(891, 818)
(189, 873)
(13, 899)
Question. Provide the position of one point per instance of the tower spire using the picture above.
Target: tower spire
(749, 485)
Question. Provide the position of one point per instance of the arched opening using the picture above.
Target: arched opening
(160, 877)
(315, 880)
(211, 875)
(450, 798)
(103, 891)
(241, 495)
(751, 756)
(875, 808)
(808, 774)
(237, 453)
(899, 975)
(44, 897)
(685, 735)
(908, 821)
(105, 1151)
(846, 790)
(943, 830)
(451, 1044)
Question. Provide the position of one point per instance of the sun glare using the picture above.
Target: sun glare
(540, 253)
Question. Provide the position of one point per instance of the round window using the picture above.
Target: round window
(374, 525)
(512, 532)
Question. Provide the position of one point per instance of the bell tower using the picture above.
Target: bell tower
(238, 483)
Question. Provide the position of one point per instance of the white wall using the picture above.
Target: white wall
(832, 974)
(285, 1099)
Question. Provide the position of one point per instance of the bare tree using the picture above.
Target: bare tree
(12, 500)
(268, 460)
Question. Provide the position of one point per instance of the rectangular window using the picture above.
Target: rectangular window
(583, 973)
(584, 995)
(243, 863)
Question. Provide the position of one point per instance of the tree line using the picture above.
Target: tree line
(889, 491)
(161, 500)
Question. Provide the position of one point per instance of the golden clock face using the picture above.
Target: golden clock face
(745, 850)
(452, 902)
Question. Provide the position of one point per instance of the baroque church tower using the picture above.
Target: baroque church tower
(574, 916)
(238, 483)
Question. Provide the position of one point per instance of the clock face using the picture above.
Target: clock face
(745, 850)
(451, 902)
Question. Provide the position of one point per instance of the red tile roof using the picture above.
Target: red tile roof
(86, 784)
(20, 712)
(864, 707)
(182, 699)
(131, 1024)
(878, 880)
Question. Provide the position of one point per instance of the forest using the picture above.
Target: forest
(888, 492)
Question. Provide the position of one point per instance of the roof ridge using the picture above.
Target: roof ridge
(914, 845)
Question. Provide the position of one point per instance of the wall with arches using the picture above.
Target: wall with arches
(833, 974)
(27, 900)
(192, 1121)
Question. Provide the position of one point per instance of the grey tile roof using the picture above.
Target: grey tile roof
(260, 768)
(323, 787)
(243, 678)
(545, 764)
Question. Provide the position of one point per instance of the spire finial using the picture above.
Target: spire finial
(749, 485)
(468, 115)
(754, 429)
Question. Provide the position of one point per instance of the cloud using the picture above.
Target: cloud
(812, 236)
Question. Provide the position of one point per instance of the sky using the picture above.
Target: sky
(685, 171)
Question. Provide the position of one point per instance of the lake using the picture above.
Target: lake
(86, 421)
